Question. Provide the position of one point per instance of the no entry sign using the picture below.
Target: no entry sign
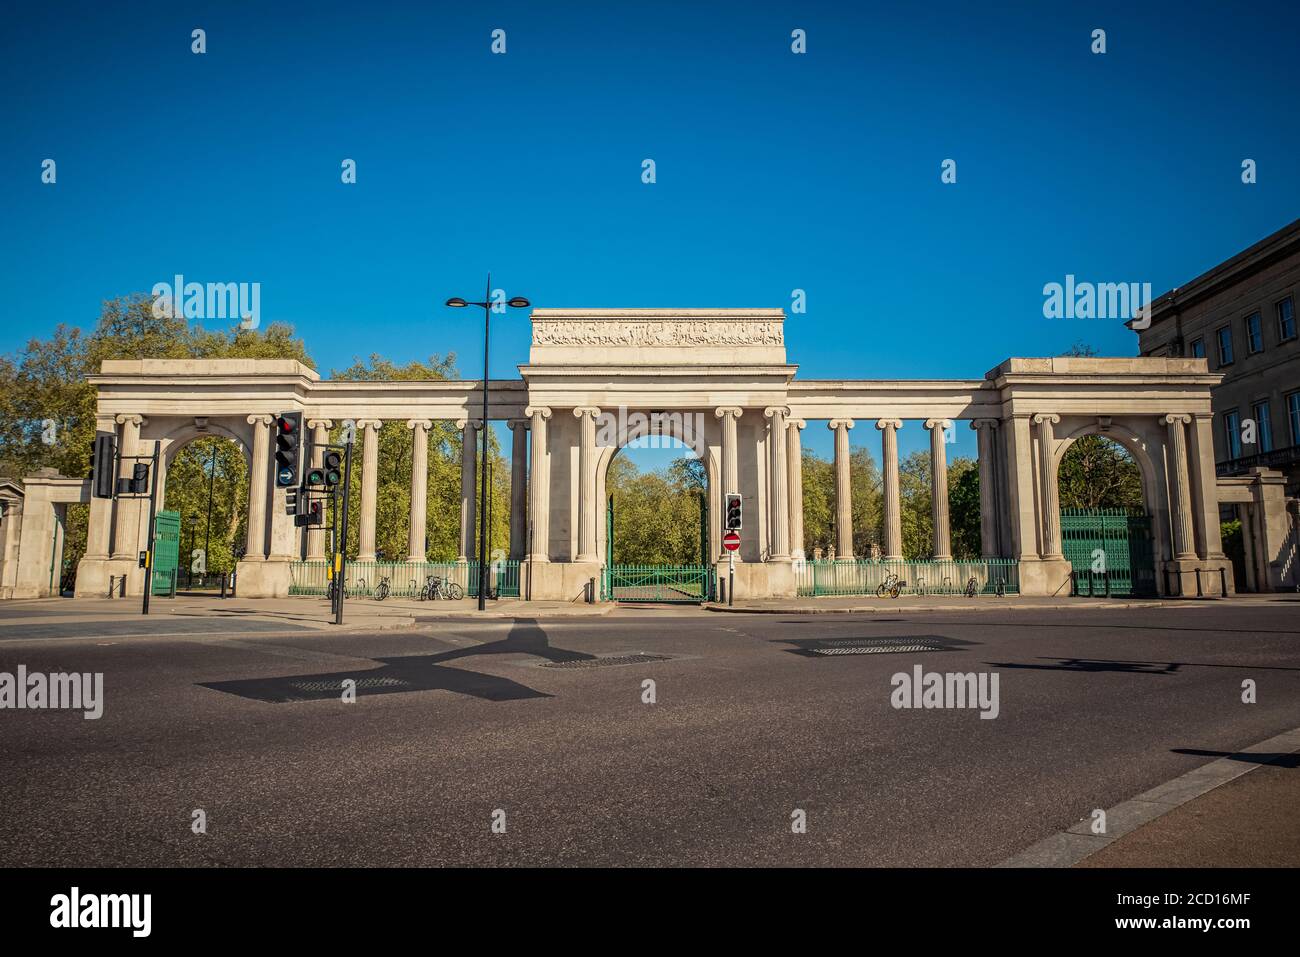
(731, 541)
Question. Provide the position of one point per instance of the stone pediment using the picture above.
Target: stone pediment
(630, 337)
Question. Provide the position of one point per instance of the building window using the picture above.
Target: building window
(1293, 413)
(1225, 345)
(1286, 319)
(1198, 348)
(1232, 435)
(1254, 333)
(1263, 426)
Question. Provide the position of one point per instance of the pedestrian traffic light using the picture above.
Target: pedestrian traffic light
(103, 465)
(288, 425)
(332, 467)
(291, 502)
(733, 512)
(138, 483)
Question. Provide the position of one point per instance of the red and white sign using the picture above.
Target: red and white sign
(731, 541)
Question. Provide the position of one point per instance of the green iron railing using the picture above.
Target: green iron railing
(405, 579)
(1110, 551)
(657, 583)
(918, 577)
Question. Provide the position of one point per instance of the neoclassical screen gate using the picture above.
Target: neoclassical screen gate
(1109, 550)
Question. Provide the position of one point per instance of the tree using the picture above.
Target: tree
(656, 514)
(1097, 472)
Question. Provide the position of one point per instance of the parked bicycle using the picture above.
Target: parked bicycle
(891, 586)
(436, 587)
(381, 590)
(347, 592)
(972, 588)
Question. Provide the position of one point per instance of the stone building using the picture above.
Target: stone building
(1240, 316)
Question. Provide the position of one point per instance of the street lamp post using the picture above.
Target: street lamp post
(518, 302)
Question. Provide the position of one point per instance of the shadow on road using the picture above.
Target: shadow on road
(413, 673)
(1281, 759)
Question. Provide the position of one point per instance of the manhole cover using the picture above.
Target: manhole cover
(637, 659)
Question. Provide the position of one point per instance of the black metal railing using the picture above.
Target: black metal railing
(1287, 456)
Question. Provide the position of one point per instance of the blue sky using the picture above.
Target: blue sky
(775, 171)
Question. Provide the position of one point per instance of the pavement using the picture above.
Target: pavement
(549, 725)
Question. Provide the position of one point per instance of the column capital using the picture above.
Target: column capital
(138, 419)
(796, 423)
(425, 424)
(320, 423)
(541, 410)
(725, 410)
(1049, 417)
(368, 423)
(1173, 417)
(894, 424)
(582, 410)
(515, 424)
(834, 424)
(263, 418)
(978, 424)
(774, 410)
(474, 424)
(942, 424)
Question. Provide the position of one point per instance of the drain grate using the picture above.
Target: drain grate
(636, 659)
(362, 684)
(876, 646)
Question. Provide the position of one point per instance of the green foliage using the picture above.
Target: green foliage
(964, 507)
(656, 514)
(216, 464)
(1096, 472)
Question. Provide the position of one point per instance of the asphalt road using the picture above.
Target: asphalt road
(455, 721)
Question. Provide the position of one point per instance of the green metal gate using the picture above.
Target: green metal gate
(674, 584)
(166, 552)
(1110, 551)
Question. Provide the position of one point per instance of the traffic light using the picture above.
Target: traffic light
(138, 483)
(331, 469)
(733, 512)
(312, 514)
(291, 502)
(103, 465)
(288, 426)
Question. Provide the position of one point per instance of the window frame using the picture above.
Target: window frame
(1218, 339)
(1263, 425)
(1277, 312)
(1257, 315)
(1232, 433)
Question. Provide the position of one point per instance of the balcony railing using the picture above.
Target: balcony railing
(1268, 460)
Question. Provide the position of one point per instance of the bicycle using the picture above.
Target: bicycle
(435, 587)
(333, 589)
(972, 588)
(891, 586)
(381, 590)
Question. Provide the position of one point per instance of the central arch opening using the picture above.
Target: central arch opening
(655, 538)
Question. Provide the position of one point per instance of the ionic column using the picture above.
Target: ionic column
(99, 528)
(258, 476)
(843, 489)
(1180, 496)
(468, 471)
(942, 550)
(1051, 516)
(1204, 482)
(587, 485)
(539, 487)
(984, 429)
(794, 485)
(320, 437)
(778, 470)
(369, 488)
(730, 467)
(518, 488)
(889, 479)
(126, 533)
(417, 536)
